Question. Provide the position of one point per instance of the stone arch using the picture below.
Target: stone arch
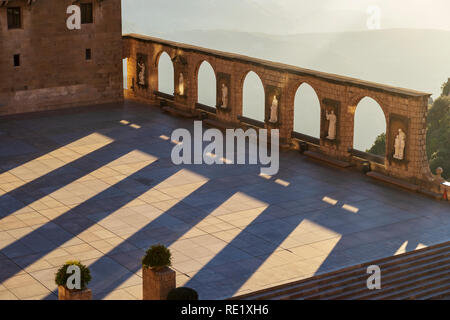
(253, 96)
(307, 108)
(206, 83)
(160, 52)
(370, 121)
(166, 73)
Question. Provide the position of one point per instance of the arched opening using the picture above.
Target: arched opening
(307, 111)
(165, 74)
(206, 85)
(370, 128)
(253, 98)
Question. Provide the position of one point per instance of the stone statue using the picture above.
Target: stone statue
(181, 85)
(331, 117)
(224, 96)
(440, 185)
(399, 145)
(274, 111)
(141, 73)
(438, 177)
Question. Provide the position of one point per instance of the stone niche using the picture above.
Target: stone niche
(273, 106)
(223, 83)
(329, 106)
(181, 77)
(397, 122)
(142, 70)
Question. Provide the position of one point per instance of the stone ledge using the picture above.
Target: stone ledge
(324, 158)
(394, 181)
(431, 194)
(219, 124)
(205, 108)
(177, 112)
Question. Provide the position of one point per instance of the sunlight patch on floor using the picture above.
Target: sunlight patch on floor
(330, 200)
(350, 208)
(282, 182)
(287, 265)
(56, 159)
(63, 200)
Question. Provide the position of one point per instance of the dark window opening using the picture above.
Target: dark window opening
(14, 18)
(17, 60)
(86, 13)
(88, 54)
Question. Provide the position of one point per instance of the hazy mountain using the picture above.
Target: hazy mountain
(171, 15)
(283, 16)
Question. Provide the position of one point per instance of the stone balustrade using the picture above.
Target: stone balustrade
(404, 109)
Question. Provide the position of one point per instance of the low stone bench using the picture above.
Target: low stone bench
(327, 159)
(177, 112)
(394, 181)
(219, 124)
(431, 194)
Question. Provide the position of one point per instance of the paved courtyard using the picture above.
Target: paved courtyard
(98, 185)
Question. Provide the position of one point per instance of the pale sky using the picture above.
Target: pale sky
(283, 16)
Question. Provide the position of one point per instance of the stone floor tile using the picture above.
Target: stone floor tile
(230, 229)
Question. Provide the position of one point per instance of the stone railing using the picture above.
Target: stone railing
(404, 109)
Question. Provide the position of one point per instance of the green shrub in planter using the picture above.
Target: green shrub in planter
(182, 293)
(157, 257)
(62, 276)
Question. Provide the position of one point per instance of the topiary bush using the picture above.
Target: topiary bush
(182, 293)
(62, 276)
(157, 257)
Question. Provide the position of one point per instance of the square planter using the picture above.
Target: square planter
(67, 294)
(157, 283)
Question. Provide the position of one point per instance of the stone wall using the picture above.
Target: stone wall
(53, 71)
(406, 109)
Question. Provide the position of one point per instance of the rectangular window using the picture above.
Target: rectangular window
(88, 54)
(14, 18)
(17, 60)
(86, 13)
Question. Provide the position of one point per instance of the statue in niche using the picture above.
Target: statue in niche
(274, 110)
(224, 96)
(399, 145)
(181, 85)
(331, 117)
(141, 74)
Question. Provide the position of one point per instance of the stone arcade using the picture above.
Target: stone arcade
(403, 108)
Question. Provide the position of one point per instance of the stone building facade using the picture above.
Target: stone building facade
(44, 65)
